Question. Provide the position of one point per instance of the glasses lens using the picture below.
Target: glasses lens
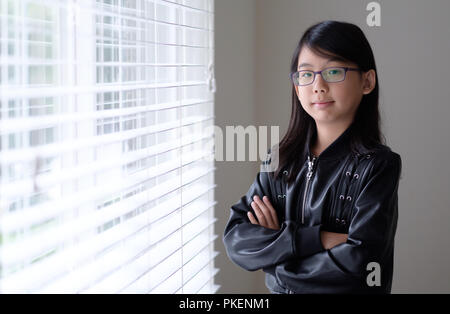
(333, 74)
(303, 77)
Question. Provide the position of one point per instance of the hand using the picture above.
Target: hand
(331, 239)
(265, 212)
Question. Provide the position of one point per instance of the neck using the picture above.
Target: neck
(327, 134)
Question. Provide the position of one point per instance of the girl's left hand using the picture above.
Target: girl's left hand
(267, 216)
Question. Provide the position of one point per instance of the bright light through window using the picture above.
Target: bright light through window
(106, 175)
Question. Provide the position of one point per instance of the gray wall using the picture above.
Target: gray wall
(254, 42)
(235, 105)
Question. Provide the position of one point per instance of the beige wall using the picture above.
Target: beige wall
(254, 43)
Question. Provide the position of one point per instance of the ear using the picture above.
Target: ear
(369, 81)
(296, 90)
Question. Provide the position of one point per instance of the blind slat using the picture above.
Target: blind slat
(46, 91)
(175, 281)
(28, 218)
(31, 123)
(209, 287)
(50, 150)
(203, 275)
(47, 181)
(107, 180)
(77, 265)
(151, 151)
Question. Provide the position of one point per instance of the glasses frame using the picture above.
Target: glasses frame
(320, 72)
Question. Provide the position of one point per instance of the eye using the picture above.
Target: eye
(306, 74)
(334, 71)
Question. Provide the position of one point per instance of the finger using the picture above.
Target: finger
(259, 214)
(252, 218)
(262, 221)
(272, 211)
(263, 204)
(264, 210)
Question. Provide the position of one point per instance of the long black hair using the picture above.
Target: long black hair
(348, 42)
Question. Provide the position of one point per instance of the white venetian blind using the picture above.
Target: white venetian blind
(106, 168)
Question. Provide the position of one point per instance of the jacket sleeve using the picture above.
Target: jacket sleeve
(252, 246)
(370, 236)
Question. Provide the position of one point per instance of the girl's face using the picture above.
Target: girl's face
(345, 95)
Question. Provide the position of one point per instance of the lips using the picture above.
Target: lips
(322, 104)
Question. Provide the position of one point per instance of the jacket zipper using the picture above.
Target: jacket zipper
(308, 179)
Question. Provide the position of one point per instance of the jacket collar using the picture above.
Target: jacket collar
(336, 150)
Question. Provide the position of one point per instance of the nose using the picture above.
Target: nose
(319, 84)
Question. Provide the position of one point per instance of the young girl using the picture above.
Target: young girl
(324, 220)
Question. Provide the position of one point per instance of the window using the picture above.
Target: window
(106, 174)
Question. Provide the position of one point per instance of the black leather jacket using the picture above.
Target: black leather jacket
(346, 193)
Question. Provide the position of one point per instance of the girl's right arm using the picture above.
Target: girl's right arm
(253, 247)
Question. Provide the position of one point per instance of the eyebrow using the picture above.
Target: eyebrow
(304, 64)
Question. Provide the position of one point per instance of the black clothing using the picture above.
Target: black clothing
(346, 193)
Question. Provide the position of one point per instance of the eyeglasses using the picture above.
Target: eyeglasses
(330, 75)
